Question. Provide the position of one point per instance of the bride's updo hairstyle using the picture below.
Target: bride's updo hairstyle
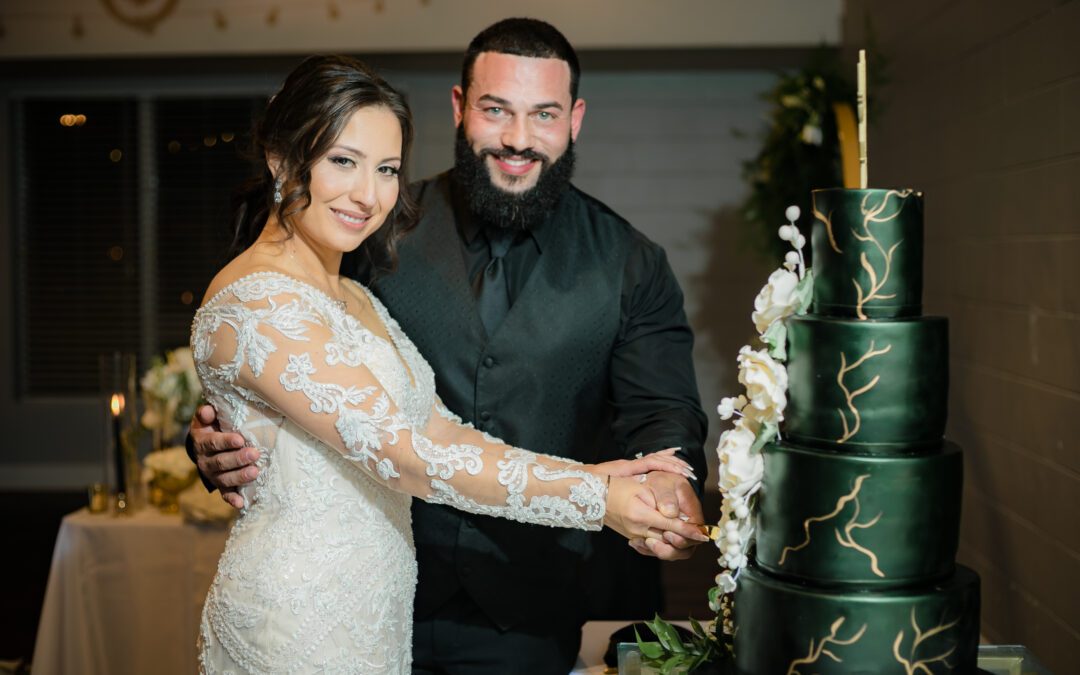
(302, 122)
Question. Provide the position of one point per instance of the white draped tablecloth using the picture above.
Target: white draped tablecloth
(125, 594)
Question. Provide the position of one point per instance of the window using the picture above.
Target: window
(122, 218)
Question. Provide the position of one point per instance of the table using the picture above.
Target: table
(125, 594)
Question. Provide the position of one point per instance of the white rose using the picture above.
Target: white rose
(766, 384)
(171, 462)
(776, 300)
(740, 470)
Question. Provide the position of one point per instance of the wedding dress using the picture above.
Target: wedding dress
(319, 571)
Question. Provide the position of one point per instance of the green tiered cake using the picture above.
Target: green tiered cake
(859, 508)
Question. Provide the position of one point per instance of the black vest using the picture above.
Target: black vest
(541, 382)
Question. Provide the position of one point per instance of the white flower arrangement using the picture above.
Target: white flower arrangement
(171, 391)
(172, 462)
(758, 413)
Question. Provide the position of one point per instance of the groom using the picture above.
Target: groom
(551, 323)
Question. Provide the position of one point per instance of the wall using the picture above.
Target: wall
(982, 116)
(52, 28)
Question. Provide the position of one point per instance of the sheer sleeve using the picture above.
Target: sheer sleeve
(282, 352)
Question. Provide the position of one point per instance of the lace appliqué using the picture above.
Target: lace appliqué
(584, 509)
(446, 460)
(361, 431)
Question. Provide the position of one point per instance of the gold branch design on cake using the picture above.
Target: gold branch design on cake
(819, 650)
(872, 214)
(847, 540)
(911, 664)
(852, 395)
(827, 219)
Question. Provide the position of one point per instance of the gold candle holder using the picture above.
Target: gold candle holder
(97, 497)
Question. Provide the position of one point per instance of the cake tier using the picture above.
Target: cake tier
(868, 253)
(789, 628)
(873, 386)
(884, 521)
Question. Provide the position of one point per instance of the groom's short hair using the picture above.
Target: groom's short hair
(522, 37)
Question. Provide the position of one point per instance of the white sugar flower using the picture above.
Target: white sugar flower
(766, 384)
(776, 300)
(740, 469)
(730, 405)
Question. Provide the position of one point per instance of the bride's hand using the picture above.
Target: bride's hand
(631, 511)
(664, 460)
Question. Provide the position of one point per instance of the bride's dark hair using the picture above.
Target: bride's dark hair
(300, 125)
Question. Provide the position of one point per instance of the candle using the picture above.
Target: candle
(116, 405)
(863, 169)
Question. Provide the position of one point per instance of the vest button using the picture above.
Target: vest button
(489, 362)
(485, 415)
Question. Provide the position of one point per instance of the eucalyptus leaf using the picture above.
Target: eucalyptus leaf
(698, 630)
(667, 634)
(671, 664)
(651, 650)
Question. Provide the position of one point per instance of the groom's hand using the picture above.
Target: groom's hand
(223, 458)
(674, 497)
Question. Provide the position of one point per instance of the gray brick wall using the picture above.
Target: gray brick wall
(982, 115)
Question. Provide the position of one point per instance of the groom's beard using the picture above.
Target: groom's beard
(492, 205)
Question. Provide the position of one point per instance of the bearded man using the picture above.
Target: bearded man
(551, 323)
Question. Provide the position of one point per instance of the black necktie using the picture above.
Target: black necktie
(493, 297)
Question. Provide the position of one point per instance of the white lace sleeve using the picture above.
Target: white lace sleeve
(283, 352)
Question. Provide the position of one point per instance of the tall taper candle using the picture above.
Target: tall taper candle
(116, 405)
(863, 169)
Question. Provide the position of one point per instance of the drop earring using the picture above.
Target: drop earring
(277, 190)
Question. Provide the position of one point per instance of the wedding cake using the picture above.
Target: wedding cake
(858, 511)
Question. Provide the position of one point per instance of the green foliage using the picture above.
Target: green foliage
(800, 150)
(671, 655)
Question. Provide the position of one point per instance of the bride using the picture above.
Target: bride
(319, 571)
